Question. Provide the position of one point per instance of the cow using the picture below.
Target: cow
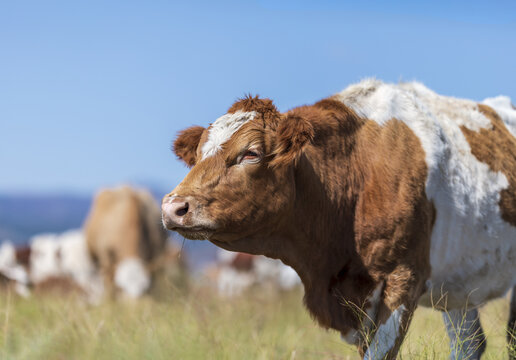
(51, 263)
(124, 237)
(61, 263)
(236, 272)
(14, 268)
(381, 197)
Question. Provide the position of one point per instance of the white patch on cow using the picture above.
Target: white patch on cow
(9, 266)
(222, 130)
(288, 278)
(75, 259)
(132, 277)
(65, 255)
(274, 271)
(385, 336)
(504, 107)
(76, 263)
(22, 290)
(7, 255)
(352, 336)
(44, 258)
(473, 251)
(232, 283)
(225, 256)
(372, 309)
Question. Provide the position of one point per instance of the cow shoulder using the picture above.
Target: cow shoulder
(393, 216)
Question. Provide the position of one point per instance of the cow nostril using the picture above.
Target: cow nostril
(182, 210)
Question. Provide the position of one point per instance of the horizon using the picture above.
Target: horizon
(92, 94)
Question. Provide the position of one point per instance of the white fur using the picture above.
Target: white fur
(225, 256)
(275, 271)
(44, 258)
(353, 336)
(75, 260)
(473, 251)
(232, 283)
(385, 336)
(77, 264)
(288, 278)
(7, 255)
(132, 277)
(222, 130)
(65, 255)
(10, 268)
(372, 309)
(505, 109)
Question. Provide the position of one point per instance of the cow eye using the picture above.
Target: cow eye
(250, 156)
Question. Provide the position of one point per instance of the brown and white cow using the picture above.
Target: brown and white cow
(14, 272)
(124, 237)
(51, 263)
(381, 197)
(235, 272)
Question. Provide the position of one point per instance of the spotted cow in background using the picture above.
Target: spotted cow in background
(235, 272)
(381, 197)
(51, 263)
(14, 272)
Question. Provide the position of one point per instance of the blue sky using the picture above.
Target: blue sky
(92, 93)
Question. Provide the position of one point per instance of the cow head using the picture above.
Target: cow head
(241, 180)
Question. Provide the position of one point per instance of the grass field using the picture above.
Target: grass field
(199, 325)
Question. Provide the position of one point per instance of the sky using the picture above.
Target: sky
(92, 93)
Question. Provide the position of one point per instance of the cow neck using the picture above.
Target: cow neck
(319, 242)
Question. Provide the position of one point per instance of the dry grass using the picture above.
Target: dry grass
(200, 325)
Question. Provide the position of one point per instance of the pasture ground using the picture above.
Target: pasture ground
(197, 324)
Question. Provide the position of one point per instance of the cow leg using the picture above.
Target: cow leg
(511, 328)
(467, 339)
(390, 334)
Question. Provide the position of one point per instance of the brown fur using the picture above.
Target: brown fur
(243, 262)
(60, 286)
(293, 133)
(23, 256)
(495, 147)
(186, 144)
(123, 223)
(265, 107)
(339, 198)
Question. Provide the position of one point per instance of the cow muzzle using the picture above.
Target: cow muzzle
(180, 213)
(175, 211)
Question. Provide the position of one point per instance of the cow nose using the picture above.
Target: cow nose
(174, 209)
(181, 209)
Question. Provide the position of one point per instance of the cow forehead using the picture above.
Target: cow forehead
(223, 128)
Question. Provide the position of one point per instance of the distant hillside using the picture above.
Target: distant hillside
(22, 216)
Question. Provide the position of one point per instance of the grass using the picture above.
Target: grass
(197, 324)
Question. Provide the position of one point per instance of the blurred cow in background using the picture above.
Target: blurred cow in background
(13, 273)
(51, 263)
(124, 236)
(61, 263)
(236, 272)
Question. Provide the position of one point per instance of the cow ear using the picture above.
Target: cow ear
(185, 145)
(292, 135)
